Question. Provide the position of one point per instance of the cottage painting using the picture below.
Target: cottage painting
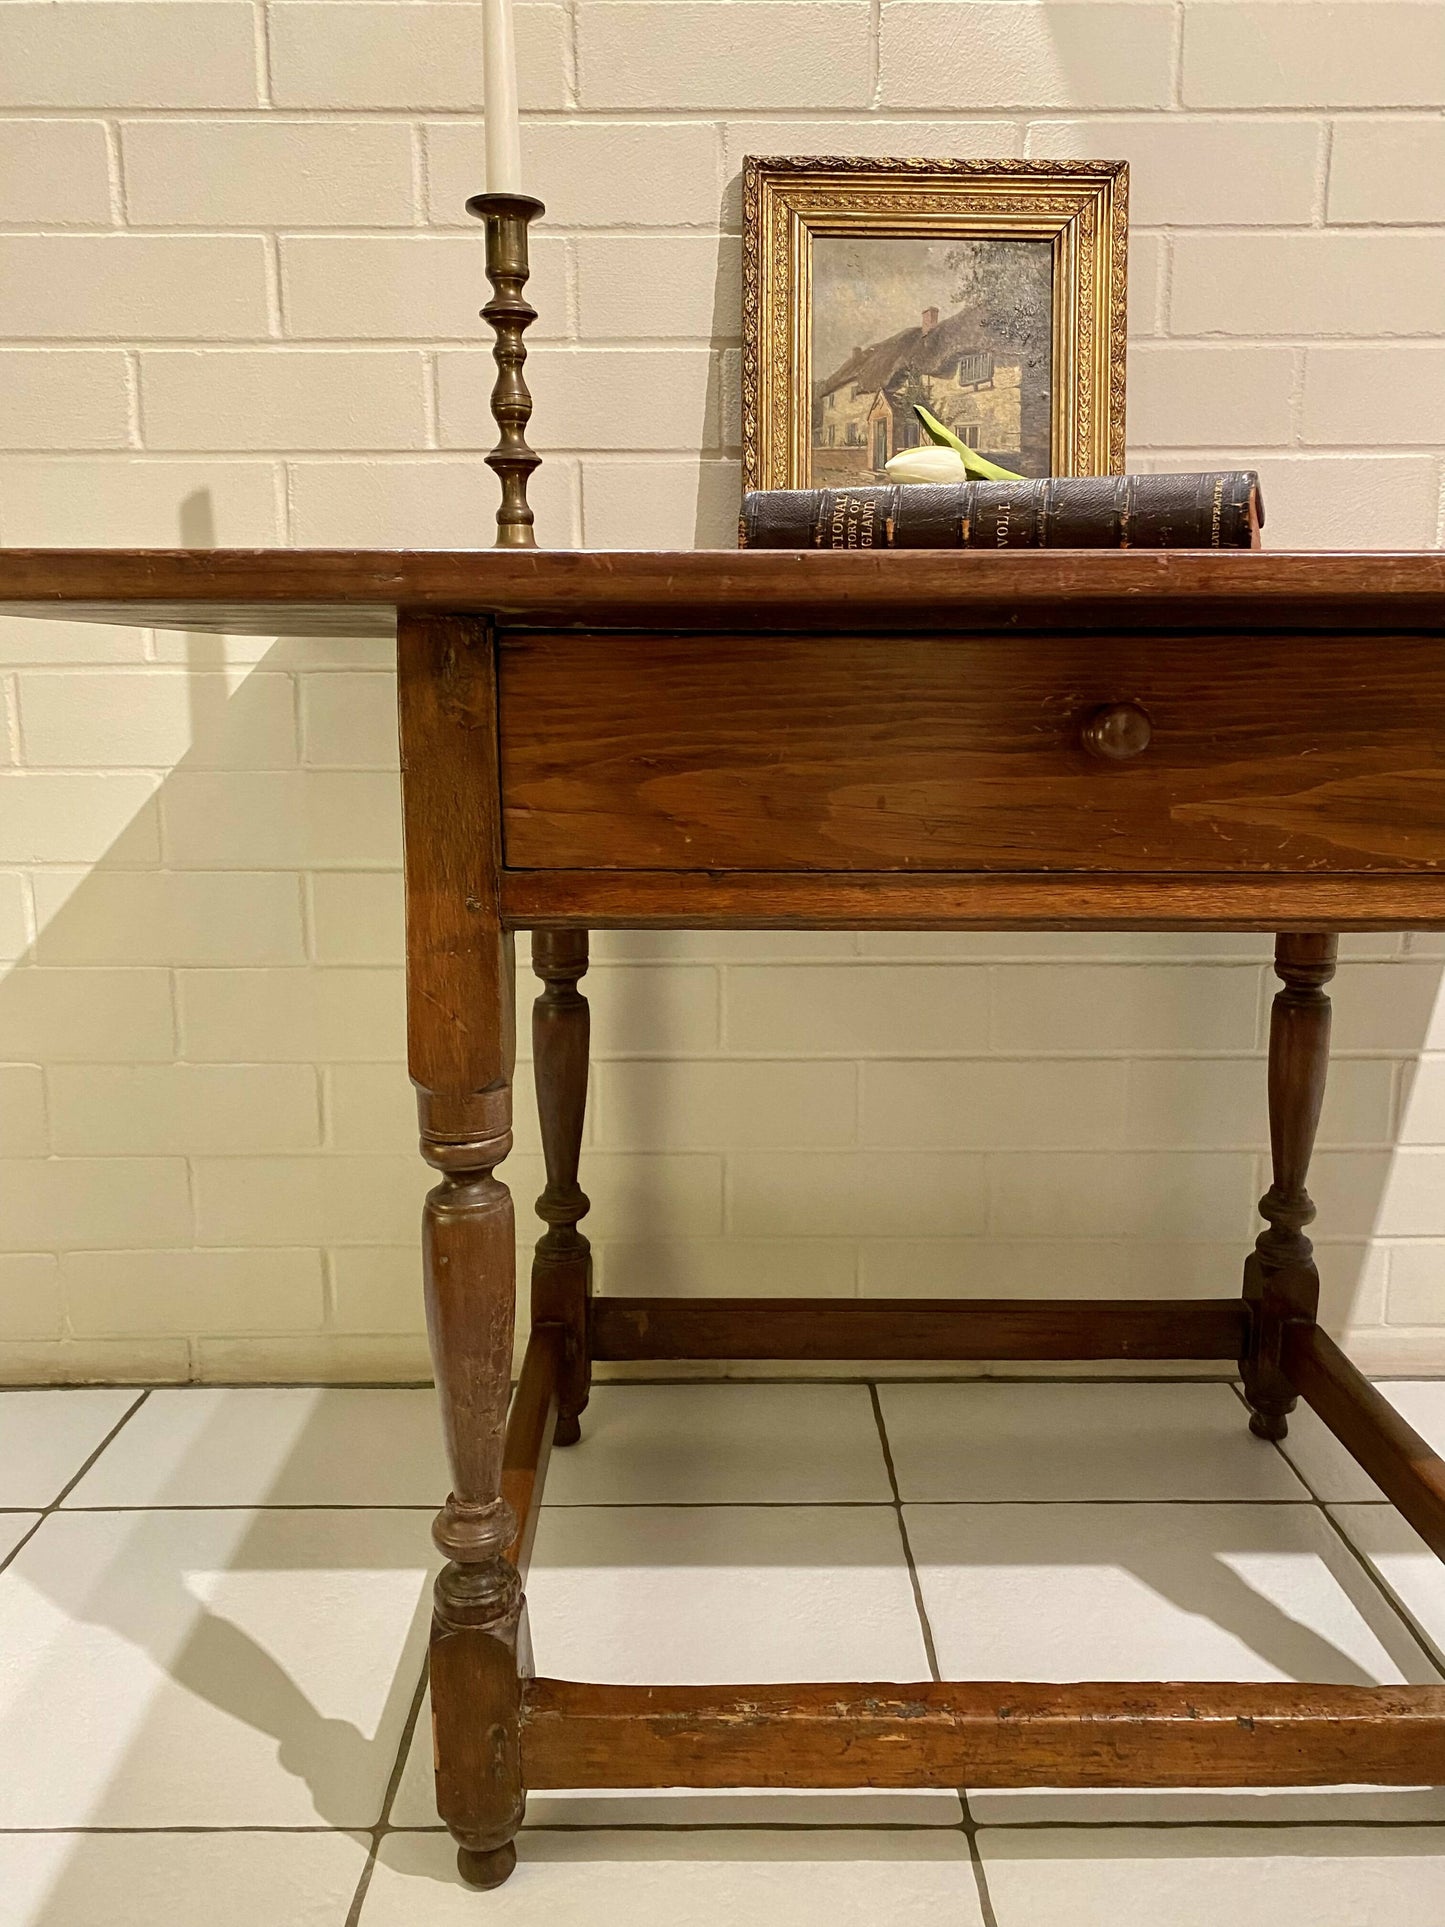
(963, 326)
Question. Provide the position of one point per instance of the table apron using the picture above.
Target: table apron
(792, 900)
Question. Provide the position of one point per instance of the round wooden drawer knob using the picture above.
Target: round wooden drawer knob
(1117, 733)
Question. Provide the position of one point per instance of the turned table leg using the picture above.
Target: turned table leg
(461, 1043)
(1281, 1282)
(562, 1266)
(470, 1260)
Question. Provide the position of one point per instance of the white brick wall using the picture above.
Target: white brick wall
(238, 299)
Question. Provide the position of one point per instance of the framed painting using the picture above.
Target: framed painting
(993, 292)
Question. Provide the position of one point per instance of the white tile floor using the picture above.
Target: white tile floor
(212, 1622)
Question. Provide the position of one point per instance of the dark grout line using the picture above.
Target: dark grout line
(975, 1856)
(922, 1827)
(1422, 1823)
(1407, 1378)
(545, 1826)
(249, 1826)
(722, 1826)
(1305, 1499)
(990, 1376)
(843, 1505)
(968, 1827)
(1304, 1822)
(239, 1505)
(403, 1752)
(71, 1484)
(227, 1385)
(383, 1826)
(896, 1504)
(124, 1420)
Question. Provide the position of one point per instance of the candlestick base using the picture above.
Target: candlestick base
(506, 218)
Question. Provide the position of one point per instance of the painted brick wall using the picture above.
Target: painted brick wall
(237, 305)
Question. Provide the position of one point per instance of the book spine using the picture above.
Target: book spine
(1221, 510)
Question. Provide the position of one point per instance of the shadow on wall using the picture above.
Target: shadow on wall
(719, 483)
(173, 984)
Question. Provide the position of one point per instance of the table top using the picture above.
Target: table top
(357, 592)
(1340, 766)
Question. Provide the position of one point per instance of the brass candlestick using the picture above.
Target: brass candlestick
(507, 218)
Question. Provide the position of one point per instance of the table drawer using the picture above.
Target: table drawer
(920, 753)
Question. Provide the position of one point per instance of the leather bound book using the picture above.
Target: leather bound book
(1210, 511)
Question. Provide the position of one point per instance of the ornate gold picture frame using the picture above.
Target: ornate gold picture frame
(992, 290)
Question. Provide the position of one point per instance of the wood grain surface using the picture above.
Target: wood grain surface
(305, 591)
(828, 1328)
(1281, 1280)
(841, 753)
(779, 900)
(1098, 1733)
(461, 1020)
(531, 1423)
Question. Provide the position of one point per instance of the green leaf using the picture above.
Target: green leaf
(985, 471)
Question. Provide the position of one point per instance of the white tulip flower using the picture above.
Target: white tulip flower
(928, 464)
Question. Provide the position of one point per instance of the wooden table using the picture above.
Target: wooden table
(866, 741)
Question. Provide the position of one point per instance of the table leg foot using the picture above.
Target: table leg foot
(486, 1869)
(1269, 1425)
(569, 1430)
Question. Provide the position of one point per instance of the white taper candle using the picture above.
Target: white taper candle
(499, 74)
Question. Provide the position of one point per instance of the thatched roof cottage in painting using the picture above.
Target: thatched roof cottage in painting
(863, 410)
